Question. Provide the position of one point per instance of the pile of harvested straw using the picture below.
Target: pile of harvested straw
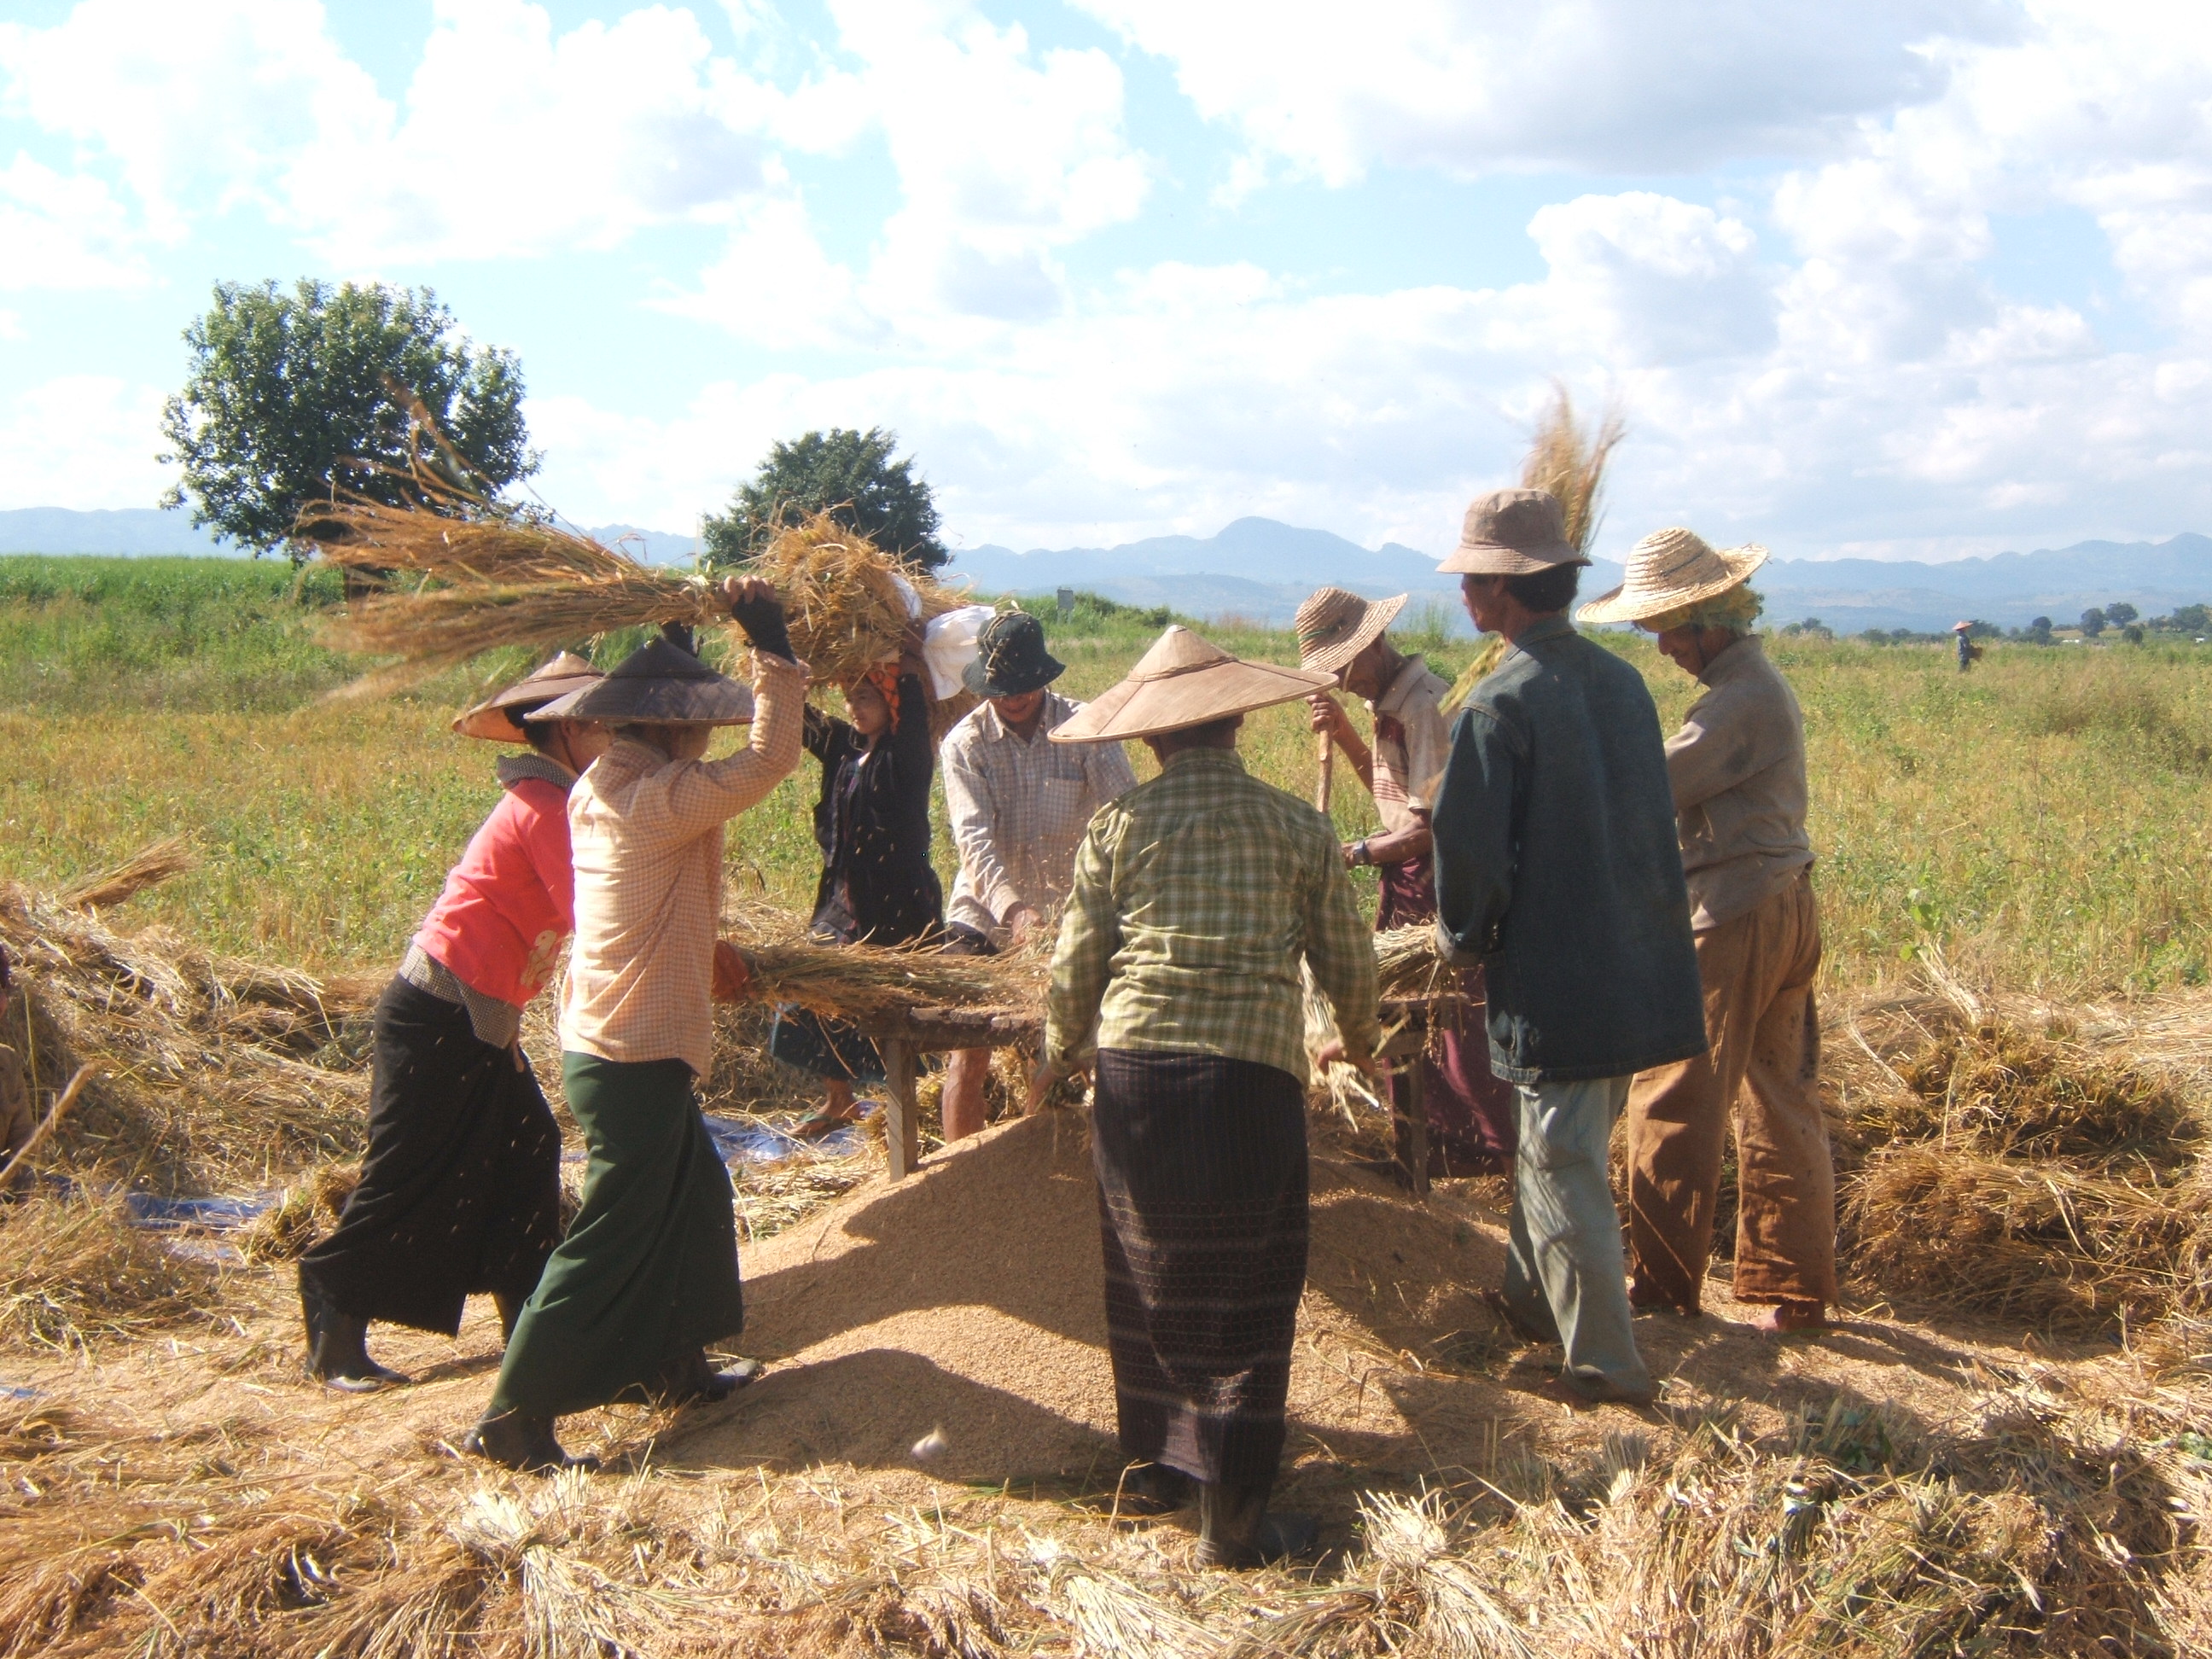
(2027, 1175)
(864, 983)
(487, 581)
(74, 1270)
(209, 1079)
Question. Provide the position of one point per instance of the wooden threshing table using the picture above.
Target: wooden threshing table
(903, 1039)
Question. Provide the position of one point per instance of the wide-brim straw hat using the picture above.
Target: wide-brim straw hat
(1513, 532)
(1335, 625)
(1669, 569)
(659, 683)
(496, 719)
(1185, 681)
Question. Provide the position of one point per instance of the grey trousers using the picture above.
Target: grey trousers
(1564, 1274)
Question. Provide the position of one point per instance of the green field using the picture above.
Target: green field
(2041, 816)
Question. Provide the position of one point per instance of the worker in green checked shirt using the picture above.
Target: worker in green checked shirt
(1175, 983)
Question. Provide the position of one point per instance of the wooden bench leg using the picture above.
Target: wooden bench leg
(1412, 1126)
(901, 1134)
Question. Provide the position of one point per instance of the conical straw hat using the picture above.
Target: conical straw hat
(659, 683)
(1185, 681)
(1669, 569)
(494, 719)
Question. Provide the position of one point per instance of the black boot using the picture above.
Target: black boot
(689, 1380)
(1235, 1531)
(523, 1443)
(1152, 1489)
(338, 1350)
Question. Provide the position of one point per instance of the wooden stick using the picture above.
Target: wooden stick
(1327, 757)
(38, 1135)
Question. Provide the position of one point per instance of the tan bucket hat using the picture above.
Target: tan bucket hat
(1184, 681)
(495, 718)
(1513, 532)
(1669, 569)
(1334, 626)
(659, 683)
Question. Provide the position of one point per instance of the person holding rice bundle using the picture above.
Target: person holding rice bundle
(1175, 983)
(1557, 870)
(1019, 806)
(647, 1274)
(1737, 769)
(878, 886)
(460, 1188)
(1470, 1111)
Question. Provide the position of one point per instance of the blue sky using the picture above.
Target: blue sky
(1905, 278)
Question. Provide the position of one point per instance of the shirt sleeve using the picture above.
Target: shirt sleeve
(1473, 824)
(914, 754)
(972, 813)
(1090, 933)
(544, 834)
(1340, 949)
(700, 795)
(1107, 766)
(1428, 747)
(1725, 739)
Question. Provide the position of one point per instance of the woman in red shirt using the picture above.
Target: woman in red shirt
(460, 1190)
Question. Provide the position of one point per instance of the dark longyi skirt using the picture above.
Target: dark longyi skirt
(1201, 1165)
(1474, 1114)
(648, 1272)
(460, 1190)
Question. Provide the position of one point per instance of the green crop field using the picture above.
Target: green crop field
(2042, 816)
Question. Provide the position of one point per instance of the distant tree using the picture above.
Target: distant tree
(2037, 632)
(2120, 614)
(2193, 618)
(289, 393)
(1978, 629)
(2132, 634)
(849, 475)
(1811, 627)
(2092, 622)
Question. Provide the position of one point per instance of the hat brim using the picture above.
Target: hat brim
(973, 676)
(1495, 559)
(1332, 659)
(1627, 604)
(719, 701)
(1174, 702)
(494, 720)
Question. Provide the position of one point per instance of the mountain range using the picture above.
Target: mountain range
(1260, 569)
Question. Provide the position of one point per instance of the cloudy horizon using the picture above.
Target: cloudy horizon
(1917, 278)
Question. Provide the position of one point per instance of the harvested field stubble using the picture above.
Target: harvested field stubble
(74, 1270)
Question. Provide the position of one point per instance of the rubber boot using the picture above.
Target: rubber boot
(689, 1380)
(1152, 1489)
(1235, 1531)
(338, 1346)
(523, 1443)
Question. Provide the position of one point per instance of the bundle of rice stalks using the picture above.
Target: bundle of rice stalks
(1568, 460)
(1407, 967)
(208, 1058)
(866, 983)
(2027, 1175)
(489, 581)
(74, 1270)
(149, 866)
(306, 1209)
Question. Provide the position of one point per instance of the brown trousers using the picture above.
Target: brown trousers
(1758, 975)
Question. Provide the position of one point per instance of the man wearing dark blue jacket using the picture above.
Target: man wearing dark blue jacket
(1558, 868)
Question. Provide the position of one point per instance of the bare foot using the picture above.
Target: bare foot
(1786, 1316)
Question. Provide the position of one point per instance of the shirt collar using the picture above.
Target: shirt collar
(1410, 675)
(1551, 628)
(1205, 760)
(514, 769)
(1737, 658)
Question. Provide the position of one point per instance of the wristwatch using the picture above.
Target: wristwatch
(1360, 852)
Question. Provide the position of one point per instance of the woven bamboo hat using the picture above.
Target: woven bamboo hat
(1184, 681)
(496, 718)
(1669, 569)
(659, 683)
(1334, 626)
(1512, 532)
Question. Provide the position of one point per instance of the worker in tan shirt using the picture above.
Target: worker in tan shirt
(648, 1272)
(1737, 771)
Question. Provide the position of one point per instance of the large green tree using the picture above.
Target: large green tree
(849, 475)
(290, 393)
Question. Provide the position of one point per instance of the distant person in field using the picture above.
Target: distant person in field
(1019, 806)
(1737, 769)
(1557, 871)
(647, 1274)
(1175, 983)
(1470, 1110)
(16, 1122)
(1963, 632)
(878, 886)
(460, 1189)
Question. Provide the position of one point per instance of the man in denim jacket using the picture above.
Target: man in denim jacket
(1558, 869)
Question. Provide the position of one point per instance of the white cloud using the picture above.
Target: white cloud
(81, 440)
(63, 232)
(1617, 86)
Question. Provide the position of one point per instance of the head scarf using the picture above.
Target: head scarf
(1736, 609)
(884, 677)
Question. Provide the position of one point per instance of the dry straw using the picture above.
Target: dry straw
(868, 983)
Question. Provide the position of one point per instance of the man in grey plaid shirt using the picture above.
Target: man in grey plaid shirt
(1019, 806)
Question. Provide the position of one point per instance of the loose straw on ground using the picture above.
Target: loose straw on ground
(60, 1109)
